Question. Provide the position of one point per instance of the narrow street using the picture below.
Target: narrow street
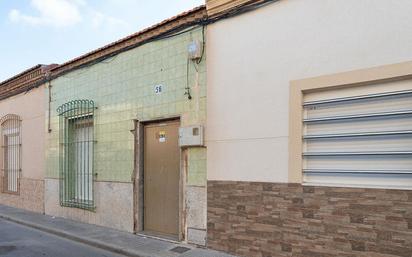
(20, 241)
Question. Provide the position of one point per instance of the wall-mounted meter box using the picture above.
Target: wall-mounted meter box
(191, 136)
(194, 50)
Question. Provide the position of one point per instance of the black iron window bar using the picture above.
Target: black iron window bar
(76, 140)
(11, 153)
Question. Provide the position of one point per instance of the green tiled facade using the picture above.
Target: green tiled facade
(122, 88)
(197, 167)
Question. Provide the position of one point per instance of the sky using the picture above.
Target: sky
(55, 31)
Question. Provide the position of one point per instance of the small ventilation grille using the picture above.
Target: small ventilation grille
(179, 249)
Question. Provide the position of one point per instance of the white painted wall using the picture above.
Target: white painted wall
(30, 107)
(253, 57)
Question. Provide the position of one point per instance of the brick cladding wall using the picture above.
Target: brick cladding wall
(266, 219)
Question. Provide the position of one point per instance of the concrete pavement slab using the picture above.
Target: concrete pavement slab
(105, 238)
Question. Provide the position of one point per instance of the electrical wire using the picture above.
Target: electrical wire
(169, 34)
(187, 88)
(247, 7)
(203, 45)
(181, 30)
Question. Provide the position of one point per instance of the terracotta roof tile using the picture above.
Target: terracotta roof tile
(25, 80)
(20, 74)
(124, 42)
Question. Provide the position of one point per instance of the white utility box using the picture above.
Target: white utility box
(195, 50)
(191, 136)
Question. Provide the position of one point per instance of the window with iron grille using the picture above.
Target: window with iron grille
(76, 140)
(11, 153)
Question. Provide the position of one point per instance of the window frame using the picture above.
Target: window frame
(297, 89)
(70, 114)
(17, 154)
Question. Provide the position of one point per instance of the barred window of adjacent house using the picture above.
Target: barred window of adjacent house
(76, 140)
(11, 152)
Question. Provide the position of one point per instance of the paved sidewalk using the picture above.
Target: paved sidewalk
(105, 238)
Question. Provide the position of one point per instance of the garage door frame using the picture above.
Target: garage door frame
(298, 88)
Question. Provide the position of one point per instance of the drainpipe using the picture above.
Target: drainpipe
(49, 111)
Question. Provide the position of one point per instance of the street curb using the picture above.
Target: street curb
(73, 237)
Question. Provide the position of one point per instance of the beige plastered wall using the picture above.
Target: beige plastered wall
(252, 59)
(30, 106)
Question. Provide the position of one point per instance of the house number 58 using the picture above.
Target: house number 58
(158, 89)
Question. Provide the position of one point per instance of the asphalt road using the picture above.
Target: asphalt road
(20, 241)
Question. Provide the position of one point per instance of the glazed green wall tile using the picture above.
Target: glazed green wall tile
(123, 90)
(197, 166)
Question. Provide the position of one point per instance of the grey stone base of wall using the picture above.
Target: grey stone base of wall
(267, 219)
(30, 197)
(113, 200)
(196, 215)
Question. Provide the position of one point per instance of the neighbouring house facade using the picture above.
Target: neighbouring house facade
(309, 120)
(125, 146)
(22, 130)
